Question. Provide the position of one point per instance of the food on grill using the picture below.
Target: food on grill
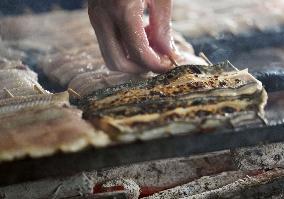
(38, 132)
(52, 61)
(23, 82)
(66, 72)
(15, 69)
(14, 104)
(8, 52)
(86, 83)
(62, 67)
(10, 64)
(186, 99)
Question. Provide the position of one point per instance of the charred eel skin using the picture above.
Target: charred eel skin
(161, 79)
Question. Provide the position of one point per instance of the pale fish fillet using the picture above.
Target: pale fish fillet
(44, 131)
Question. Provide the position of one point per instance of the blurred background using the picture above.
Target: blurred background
(15, 7)
(249, 33)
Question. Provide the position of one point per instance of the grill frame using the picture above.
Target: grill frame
(91, 159)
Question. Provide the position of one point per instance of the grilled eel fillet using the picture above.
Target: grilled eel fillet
(38, 132)
(186, 99)
(43, 124)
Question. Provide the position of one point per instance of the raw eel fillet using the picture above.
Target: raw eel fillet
(12, 64)
(190, 98)
(19, 82)
(15, 104)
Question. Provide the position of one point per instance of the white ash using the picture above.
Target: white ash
(199, 186)
(169, 172)
(235, 190)
(260, 157)
(50, 188)
(227, 185)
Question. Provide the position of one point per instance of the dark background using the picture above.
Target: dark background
(14, 7)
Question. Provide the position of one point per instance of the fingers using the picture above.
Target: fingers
(135, 39)
(159, 30)
(110, 45)
(122, 38)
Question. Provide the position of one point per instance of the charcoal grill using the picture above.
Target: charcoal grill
(266, 131)
(174, 146)
(269, 130)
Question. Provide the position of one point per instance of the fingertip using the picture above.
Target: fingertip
(162, 67)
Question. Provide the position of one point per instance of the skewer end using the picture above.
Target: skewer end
(8, 92)
(203, 56)
(74, 93)
(38, 89)
(229, 63)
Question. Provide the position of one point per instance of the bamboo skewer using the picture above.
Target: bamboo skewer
(8, 92)
(203, 56)
(39, 90)
(72, 92)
